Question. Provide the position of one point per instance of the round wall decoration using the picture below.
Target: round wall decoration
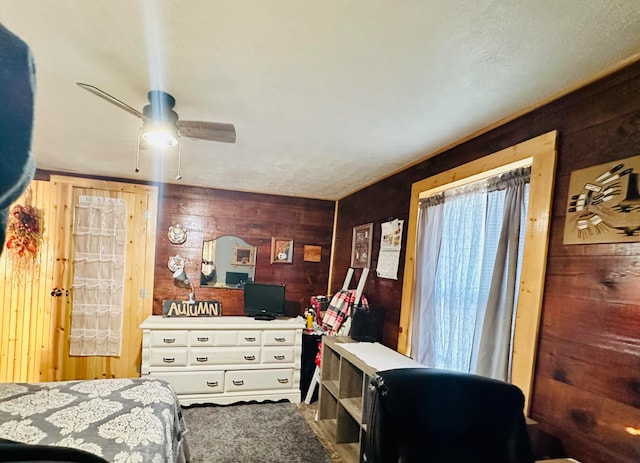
(177, 234)
(175, 263)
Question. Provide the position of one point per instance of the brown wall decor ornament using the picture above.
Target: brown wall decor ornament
(312, 253)
(603, 204)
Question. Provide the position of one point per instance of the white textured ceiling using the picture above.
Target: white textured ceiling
(326, 96)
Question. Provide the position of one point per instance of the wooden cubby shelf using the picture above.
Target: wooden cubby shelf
(343, 400)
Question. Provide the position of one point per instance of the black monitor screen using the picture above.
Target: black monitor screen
(236, 278)
(262, 298)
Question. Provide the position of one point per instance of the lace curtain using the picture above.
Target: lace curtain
(98, 284)
(468, 243)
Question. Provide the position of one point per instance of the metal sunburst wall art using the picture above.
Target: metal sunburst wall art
(603, 204)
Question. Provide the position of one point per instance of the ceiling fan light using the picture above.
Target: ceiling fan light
(160, 137)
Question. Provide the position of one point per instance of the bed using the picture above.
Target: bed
(121, 420)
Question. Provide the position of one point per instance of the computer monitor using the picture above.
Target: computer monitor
(264, 301)
(236, 278)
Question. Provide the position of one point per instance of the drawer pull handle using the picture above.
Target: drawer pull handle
(168, 359)
(283, 380)
(278, 357)
(279, 339)
(251, 339)
(169, 340)
(212, 383)
(203, 339)
(202, 359)
(249, 357)
(238, 383)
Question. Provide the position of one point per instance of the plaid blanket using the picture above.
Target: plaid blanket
(340, 309)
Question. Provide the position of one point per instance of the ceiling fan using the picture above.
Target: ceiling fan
(161, 126)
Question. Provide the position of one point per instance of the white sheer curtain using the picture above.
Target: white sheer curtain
(98, 284)
(458, 240)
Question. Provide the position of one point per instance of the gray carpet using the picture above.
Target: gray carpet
(251, 433)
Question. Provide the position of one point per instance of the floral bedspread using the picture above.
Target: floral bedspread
(122, 420)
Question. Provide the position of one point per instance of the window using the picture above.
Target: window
(540, 152)
(467, 257)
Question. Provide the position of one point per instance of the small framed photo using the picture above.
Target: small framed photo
(244, 255)
(281, 251)
(361, 246)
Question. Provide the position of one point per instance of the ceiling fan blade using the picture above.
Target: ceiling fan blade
(111, 99)
(212, 131)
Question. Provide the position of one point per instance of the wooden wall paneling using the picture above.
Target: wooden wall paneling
(596, 368)
(573, 319)
(21, 317)
(40, 304)
(44, 340)
(144, 307)
(5, 327)
(60, 309)
(590, 417)
(4, 319)
(382, 202)
(6, 366)
(210, 213)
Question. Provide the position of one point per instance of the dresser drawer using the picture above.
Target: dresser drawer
(279, 338)
(254, 380)
(277, 354)
(168, 357)
(213, 338)
(194, 383)
(224, 355)
(249, 338)
(168, 338)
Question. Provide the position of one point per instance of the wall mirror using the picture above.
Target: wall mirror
(227, 262)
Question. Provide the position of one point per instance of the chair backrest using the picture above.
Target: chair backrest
(18, 452)
(440, 416)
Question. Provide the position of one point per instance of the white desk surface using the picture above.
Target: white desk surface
(378, 356)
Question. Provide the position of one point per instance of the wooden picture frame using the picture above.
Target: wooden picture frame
(244, 255)
(361, 246)
(281, 250)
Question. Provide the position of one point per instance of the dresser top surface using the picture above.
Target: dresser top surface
(220, 323)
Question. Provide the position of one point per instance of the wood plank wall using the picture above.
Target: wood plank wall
(210, 213)
(587, 382)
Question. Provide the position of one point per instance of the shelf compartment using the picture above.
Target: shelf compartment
(330, 361)
(332, 387)
(351, 378)
(327, 404)
(347, 429)
(354, 407)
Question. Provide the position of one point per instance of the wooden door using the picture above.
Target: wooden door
(38, 323)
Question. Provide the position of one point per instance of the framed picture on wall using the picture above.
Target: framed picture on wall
(281, 251)
(243, 255)
(361, 246)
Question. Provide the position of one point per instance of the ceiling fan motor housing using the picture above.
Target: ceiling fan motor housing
(160, 108)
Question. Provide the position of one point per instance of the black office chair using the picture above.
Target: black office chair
(424, 415)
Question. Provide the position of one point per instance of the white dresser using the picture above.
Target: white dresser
(223, 360)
